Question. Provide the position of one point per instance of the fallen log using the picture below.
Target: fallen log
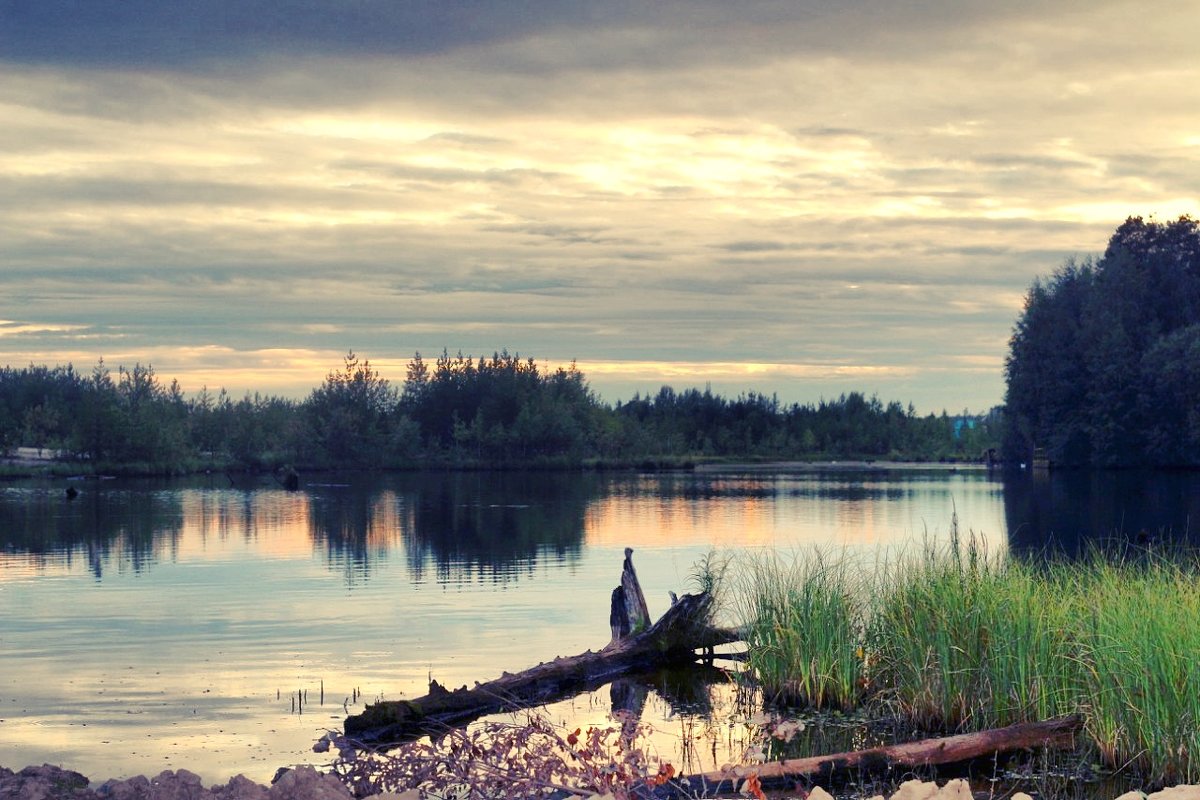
(827, 770)
(673, 639)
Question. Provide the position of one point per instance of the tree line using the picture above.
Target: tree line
(500, 410)
(1104, 361)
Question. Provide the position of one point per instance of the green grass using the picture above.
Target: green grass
(1139, 628)
(951, 639)
(806, 625)
(965, 641)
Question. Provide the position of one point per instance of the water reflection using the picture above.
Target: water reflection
(486, 527)
(494, 525)
(355, 527)
(1068, 512)
(489, 527)
(857, 509)
(128, 530)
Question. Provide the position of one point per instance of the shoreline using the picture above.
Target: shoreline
(50, 782)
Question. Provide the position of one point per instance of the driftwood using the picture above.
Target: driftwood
(826, 770)
(673, 639)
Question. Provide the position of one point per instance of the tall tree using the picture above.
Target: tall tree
(350, 414)
(1094, 366)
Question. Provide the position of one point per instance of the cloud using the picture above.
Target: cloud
(11, 328)
(863, 183)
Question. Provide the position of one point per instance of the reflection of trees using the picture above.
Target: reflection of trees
(470, 525)
(1069, 511)
(489, 524)
(103, 524)
(847, 485)
(357, 524)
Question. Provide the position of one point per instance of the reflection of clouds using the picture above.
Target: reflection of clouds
(110, 719)
(787, 511)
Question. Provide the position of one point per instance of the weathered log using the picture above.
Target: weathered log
(673, 639)
(826, 770)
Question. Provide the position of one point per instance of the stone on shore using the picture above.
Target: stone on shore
(48, 782)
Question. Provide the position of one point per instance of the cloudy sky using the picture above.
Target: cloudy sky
(801, 197)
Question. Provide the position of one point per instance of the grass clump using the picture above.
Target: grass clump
(1141, 636)
(964, 640)
(806, 628)
(955, 639)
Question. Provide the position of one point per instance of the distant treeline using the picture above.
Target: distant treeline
(1104, 365)
(456, 411)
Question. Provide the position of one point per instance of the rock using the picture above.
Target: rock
(49, 782)
(955, 790)
(306, 782)
(54, 783)
(135, 788)
(46, 782)
(1133, 796)
(178, 785)
(1182, 792)
(916, 790)
(240, 788)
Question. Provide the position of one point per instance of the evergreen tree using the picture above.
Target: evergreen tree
(1101, 358)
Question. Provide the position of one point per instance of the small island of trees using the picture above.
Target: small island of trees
(456, 411)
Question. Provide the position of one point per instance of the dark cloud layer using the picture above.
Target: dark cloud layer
(148, 34)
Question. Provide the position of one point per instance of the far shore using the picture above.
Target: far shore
(848, 466)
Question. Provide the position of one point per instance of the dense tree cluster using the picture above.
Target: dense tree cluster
(497, 411)
(1104, 362)
(501, 409)
(851, 426)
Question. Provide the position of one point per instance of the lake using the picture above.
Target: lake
(223, 625)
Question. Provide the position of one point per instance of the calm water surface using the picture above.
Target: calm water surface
(152, 625)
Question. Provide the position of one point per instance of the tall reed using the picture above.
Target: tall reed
(805, 632)
(967, 640)
(1141, 639)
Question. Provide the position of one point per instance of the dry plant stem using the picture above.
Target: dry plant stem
(505, 762)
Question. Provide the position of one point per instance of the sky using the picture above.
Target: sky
(800, 198)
